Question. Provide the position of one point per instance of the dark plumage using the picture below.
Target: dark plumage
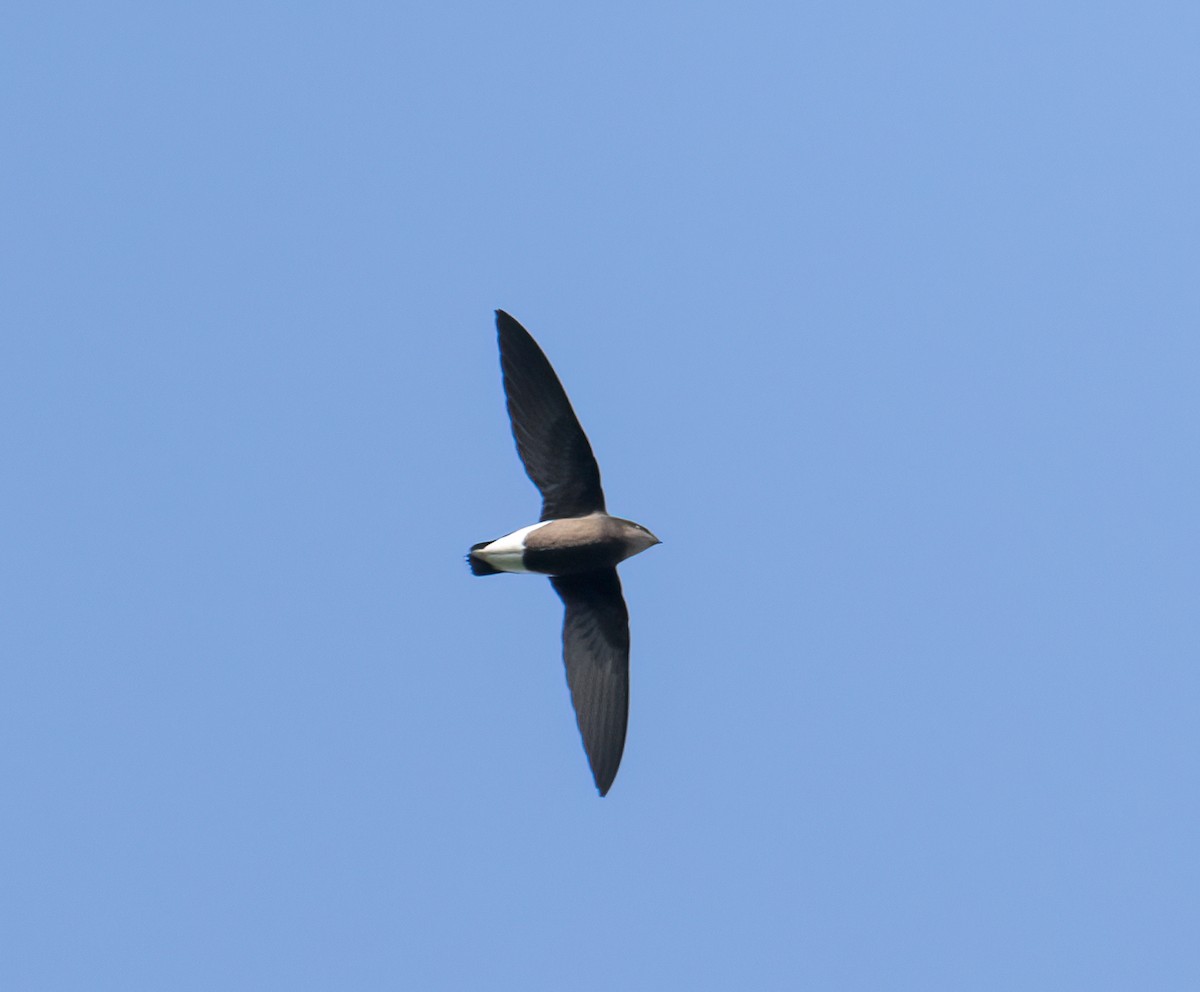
(552, 445)
(596, 648)
(576, 543)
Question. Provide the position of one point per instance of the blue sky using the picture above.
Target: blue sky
(884, 317)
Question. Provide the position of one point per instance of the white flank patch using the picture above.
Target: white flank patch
(505, 552)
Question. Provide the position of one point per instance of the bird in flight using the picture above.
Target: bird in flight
(576, 543)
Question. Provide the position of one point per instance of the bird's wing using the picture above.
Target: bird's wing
(551, 443)
(596, 651)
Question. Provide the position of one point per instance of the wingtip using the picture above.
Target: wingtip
(506, 326)
(603, 785)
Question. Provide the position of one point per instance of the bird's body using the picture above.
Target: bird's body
(577, 543)
(564, 547)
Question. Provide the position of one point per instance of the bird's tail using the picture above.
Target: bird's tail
(478, 565)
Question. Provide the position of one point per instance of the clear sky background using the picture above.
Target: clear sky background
(885, 317)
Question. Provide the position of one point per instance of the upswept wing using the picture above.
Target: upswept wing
(552, 445)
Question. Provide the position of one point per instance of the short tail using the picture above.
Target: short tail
(478, 565)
